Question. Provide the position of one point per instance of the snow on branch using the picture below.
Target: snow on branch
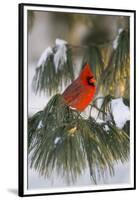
(52, 62)
(60, 57)
(115, 42)
(117, 112)
(44, 56)
(120, 111)
(57, 140)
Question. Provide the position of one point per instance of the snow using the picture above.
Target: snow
(121, 176)
(115, 42)
(120, 111)
(57, 139)
(100, 121)
(106, 128)
(46, 53)
(60, 56)
(60, 42)
(40, 125)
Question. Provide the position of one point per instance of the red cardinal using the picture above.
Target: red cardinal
(81, 91)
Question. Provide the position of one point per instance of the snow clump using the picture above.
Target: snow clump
(60, 57)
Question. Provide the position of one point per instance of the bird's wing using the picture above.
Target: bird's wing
(73, 91)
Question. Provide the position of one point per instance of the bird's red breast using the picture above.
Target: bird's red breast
(81, 91)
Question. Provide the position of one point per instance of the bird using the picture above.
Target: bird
(81, 91)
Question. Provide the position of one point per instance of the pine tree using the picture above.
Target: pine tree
(66, 141)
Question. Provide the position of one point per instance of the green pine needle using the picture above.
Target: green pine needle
(117, 70)
(48, 80)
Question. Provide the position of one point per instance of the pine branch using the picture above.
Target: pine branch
(62, 141)
(48, 79)
(117, 70)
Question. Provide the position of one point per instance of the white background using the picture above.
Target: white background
(9, 98)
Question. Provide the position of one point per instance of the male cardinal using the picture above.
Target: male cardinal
(80, 93)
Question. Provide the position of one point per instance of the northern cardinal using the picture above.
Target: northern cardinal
(81, 91)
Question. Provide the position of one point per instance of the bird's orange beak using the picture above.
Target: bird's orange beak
(92, 80)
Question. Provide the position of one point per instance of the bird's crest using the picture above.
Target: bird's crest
(86, 72)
